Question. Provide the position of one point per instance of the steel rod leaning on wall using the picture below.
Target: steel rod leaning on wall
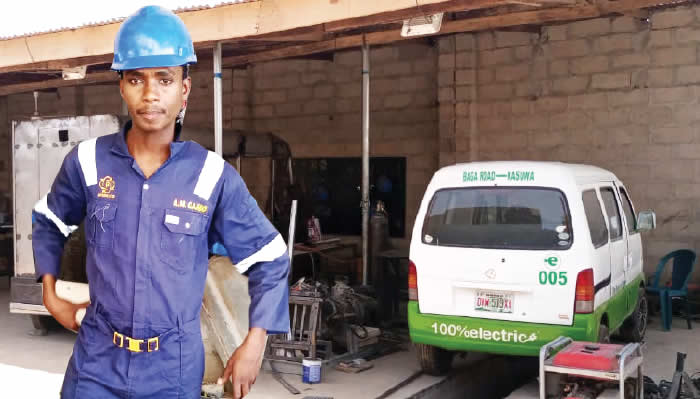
(365, 159)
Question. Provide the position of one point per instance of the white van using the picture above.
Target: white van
(507, 256)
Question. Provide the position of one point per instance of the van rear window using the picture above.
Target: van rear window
(499, 217)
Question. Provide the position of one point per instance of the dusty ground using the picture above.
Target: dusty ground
(26, 359)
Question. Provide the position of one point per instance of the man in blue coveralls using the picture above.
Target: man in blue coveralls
(153, 206)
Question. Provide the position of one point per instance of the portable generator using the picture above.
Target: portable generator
(587, 370)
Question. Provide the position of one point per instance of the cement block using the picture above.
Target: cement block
(465, 41)
(496, 91)
(625, 24)
(624, 98)
(616, 42)
(688, 74)
(555, 33)
(672, 18)
(672, 95)
(628, 60)
(588, 101)
(670, 135)
(512, 39)
(512, 73)
(446, 61)
(465, 60)
(426, 66)
(674, 56)
(568, 48)
(591, 27)
(496, 57)
(397, 100)
(485, 40)
(660, 77)
(592, 64)
(559, 68)
(604, 81)
(610, 118)
(570, 85)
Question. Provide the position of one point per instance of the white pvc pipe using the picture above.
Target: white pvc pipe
(218, 101)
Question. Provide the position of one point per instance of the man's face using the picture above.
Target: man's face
(154, 96)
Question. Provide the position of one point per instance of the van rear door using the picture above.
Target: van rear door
(497, 253)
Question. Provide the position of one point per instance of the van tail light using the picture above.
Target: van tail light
(412, 282)
(585, 292)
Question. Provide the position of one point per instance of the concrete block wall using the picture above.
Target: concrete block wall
(316, 106)
(614, 92)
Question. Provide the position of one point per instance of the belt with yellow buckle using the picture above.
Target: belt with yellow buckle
(134, 345)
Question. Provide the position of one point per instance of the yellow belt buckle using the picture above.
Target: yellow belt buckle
(134, 344)
(150, 340)
(120, 338)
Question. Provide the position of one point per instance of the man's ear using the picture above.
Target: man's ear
(186, 87)
(121, 86)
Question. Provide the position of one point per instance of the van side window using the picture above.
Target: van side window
(594, 215)
(629, 211)
(610, 202)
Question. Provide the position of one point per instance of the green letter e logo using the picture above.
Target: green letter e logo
(552, 261)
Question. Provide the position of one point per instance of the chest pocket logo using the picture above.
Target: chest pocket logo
(181, 238)
(100, 225)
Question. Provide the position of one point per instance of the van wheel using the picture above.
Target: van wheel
(635, 326)
(434, 360)
(41, 325)
(603, 334)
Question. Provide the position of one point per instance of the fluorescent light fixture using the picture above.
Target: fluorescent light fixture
(74, 73)
(423, 25)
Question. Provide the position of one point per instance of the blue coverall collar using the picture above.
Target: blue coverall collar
(119, 145)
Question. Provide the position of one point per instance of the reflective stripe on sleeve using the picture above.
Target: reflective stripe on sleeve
(273, 250)
(209, 176)
(86, 157)
(42, 207)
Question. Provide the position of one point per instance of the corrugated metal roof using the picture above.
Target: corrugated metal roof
(22, 19)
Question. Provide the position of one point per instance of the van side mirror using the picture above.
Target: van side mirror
(646, 220)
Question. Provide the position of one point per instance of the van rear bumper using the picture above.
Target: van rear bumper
(493, 336)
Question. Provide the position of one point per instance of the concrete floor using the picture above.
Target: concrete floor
(659, 354)
(27, 359)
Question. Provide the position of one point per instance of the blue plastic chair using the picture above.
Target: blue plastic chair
(683, 263)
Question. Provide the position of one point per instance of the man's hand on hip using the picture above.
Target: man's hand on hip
(244, 365)
(63, 311)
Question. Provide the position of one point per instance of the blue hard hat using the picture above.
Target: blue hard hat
(152, 37)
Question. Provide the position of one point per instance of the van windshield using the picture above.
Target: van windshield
(499, 217)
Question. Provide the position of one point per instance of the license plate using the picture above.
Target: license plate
(498, 302)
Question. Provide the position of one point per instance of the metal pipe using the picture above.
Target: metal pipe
(365, 158)
(218, 101)
(290, 236)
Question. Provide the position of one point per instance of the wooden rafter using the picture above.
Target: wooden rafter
(531, 17)
(91, 78)
(466, 25)
(426, 9)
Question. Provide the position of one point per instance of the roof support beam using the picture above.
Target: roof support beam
(208, 26)
(91, 78)
(559, 14)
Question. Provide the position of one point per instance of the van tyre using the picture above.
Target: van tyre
(635, 326)
(603, 334)
(433, 360)
(41, 325)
